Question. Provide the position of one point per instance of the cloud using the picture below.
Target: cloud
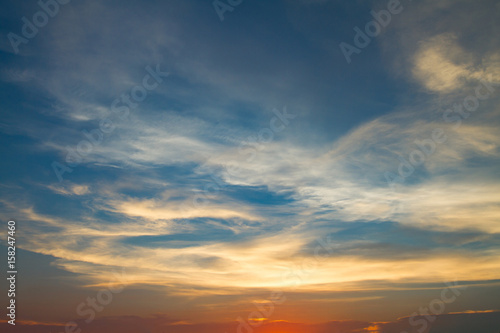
(340, 182)
(73, 189)
(162, 209)
(441, 65)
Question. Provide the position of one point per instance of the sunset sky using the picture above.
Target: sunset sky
(279, 166)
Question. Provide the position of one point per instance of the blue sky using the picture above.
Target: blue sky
(214, 157)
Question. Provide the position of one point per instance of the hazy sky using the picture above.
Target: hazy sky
(250, 166)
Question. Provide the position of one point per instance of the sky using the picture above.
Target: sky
(280, 166)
